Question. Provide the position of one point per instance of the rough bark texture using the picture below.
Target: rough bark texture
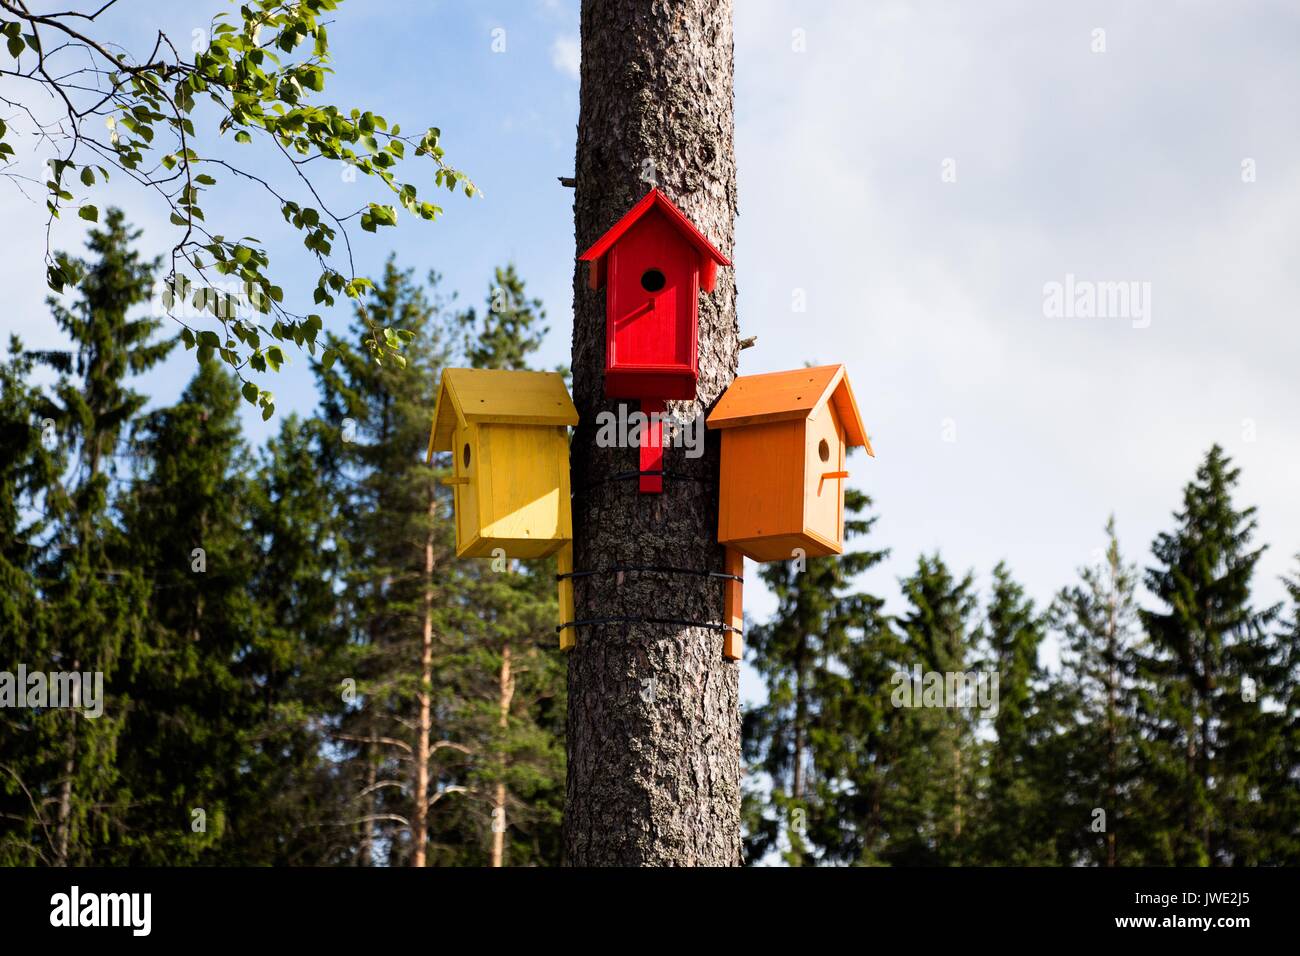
(420, 811)
(653, 724)
(506, 687)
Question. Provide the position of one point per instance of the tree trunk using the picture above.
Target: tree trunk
(800, 717)
(653, 723)
(1112, 708)
(506, 695)
(366, 855)
(63, 828)
(420, 812)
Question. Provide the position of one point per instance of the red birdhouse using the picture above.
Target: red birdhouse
(653, 263)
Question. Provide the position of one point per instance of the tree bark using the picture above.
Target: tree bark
(420, 812)
(653, 720)
(63, 828)
(506, 694)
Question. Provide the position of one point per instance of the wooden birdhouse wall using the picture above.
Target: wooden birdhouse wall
(824, 497)
(785, 439)
(508, 438)
(525, 488)
(653, 264)
(465, 459)
(762, 482)
(653, 292)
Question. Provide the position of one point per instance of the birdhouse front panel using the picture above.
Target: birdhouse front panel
(507, 432)
(784, 443)
(524, 506)
(761, 501)
(824, 454)
(653, 290)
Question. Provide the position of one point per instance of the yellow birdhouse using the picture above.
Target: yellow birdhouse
(785, 437)
(506, 432)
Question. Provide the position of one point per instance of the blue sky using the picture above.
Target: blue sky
(915, 174)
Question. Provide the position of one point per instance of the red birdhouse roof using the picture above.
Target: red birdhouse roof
(654, 199)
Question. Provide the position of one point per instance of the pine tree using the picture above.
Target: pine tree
(1210, 666)
(405, 604)
(94, 607)
(1097, 620)
(795, 740)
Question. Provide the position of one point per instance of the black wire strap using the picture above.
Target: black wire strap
(651, 569)
(676, 622)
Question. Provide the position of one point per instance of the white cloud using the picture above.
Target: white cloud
(1116, 167)
(565, 56)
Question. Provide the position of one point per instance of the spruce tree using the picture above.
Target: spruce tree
(1278, 808)
(1016, 825)
(295, 580)
(95, 607)
(195, 680)
(510, 329)
(795, 740)
(27, 471)
(937, 765)
(1211, 665)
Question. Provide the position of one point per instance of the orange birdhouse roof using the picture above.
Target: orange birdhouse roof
(655, 200)
(785, 396)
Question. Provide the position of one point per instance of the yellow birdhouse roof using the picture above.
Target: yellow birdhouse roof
(472, 395)
(785, 396)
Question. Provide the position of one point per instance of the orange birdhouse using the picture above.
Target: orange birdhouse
(785, 436)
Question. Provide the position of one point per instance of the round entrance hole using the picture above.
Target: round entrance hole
(465, 455)
(652, 280)
(824, 450)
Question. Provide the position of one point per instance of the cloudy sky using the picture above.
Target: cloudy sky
(916, 180)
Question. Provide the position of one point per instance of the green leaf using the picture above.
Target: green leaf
(88, 177)
(89, 213)
(250, 393)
